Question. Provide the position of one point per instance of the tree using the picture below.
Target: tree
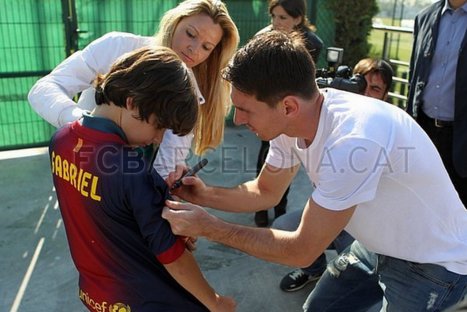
(353, 21)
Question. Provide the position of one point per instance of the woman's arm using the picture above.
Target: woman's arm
(52, 96)
(173, 151)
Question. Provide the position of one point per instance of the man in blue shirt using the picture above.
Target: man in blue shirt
(438, 80)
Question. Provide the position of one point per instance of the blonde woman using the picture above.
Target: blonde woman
(202, 34)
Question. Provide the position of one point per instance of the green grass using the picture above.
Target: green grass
(400, 49)
(401, 45)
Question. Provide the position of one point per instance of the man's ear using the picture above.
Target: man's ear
(291, 105)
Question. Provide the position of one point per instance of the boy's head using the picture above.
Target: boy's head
(156, 84)
(271, 66)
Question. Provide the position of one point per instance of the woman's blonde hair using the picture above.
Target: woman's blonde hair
(209, 130)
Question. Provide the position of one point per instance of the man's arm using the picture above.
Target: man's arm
(317, 229)
(187, 273)
(261, 193)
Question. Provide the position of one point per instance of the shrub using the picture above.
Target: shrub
(353, 21)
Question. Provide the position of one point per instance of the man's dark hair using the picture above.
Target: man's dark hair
(158, 82)
(271, 66)
(370, 65)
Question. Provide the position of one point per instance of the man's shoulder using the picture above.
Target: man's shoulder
(312, 37)
(429, 10)
(342, 97)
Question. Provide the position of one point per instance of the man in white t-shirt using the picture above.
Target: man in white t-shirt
(375, 171)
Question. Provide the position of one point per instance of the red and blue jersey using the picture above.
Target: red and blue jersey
(111, 202)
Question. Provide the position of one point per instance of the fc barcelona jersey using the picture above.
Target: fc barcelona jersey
(111, 202)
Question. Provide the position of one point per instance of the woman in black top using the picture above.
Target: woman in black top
(290, 15)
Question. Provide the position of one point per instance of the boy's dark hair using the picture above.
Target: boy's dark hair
(271, 66)
(370, 65)
(158, 82)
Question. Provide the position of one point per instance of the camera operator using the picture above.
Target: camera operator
(371, 77)
(378, 76)
(350, 280)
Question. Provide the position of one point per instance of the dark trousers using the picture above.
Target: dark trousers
(263, 152)
(442, 139)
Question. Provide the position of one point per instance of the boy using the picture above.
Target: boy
(111, 200)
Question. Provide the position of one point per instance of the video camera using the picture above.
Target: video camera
(339, 76)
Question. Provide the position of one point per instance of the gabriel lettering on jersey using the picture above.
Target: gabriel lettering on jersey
(111, 206)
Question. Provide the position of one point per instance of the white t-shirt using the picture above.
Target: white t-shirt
(51, 96)
(373, 155)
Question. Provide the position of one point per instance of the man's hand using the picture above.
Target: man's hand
(187, 219)
(192, 187)
(175, 175)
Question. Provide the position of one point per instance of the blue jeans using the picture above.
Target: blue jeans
(413, 287)
(350, 283)
(290, 222)
(405, 286)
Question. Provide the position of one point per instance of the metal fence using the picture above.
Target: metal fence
(36, 35)
(390, 52)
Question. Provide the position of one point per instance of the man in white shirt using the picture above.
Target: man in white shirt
(375, 171)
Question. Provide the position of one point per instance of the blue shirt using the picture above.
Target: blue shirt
(438, 98)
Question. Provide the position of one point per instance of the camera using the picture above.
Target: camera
(339, 76)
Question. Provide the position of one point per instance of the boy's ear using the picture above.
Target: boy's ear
(129, 103)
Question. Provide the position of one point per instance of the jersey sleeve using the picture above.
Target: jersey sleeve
(349, 173)
(147, 193)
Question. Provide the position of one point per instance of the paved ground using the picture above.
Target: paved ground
(36, 272)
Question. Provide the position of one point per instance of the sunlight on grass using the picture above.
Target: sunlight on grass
(400, 48)
(401, 45)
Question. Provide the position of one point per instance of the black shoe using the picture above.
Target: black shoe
(261, 218)
(297, 279)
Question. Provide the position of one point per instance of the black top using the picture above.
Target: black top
(313, 43)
